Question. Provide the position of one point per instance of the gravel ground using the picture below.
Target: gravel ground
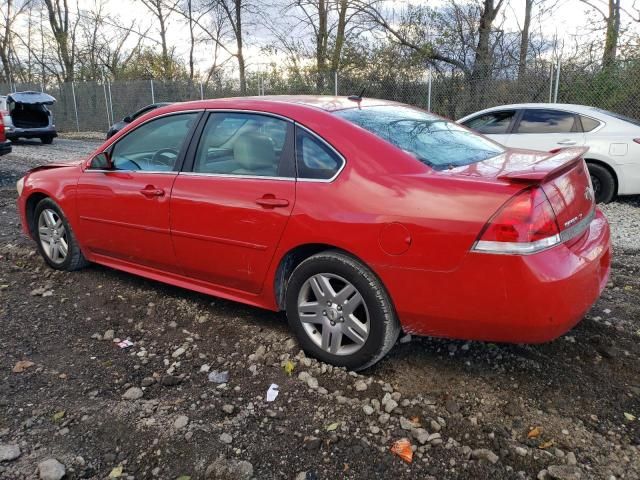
(73, 402)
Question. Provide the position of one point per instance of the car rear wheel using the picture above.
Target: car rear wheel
(48, 140)
(340, 312)
(55, 239)
(604, 185)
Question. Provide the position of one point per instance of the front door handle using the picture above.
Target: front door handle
(272, 202)
(150, 191)
(567, 142)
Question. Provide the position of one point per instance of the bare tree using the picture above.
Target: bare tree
(9, 14)
(161, 10)
(64, 33)
(610, 11)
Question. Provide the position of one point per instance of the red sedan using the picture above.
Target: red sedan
(360, 218)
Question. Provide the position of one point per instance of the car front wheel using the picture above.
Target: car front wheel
(55, 239)
(340, 311)
(48, 140)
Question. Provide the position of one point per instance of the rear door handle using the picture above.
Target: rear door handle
(567, 142)
(150, 191)
(271, 202)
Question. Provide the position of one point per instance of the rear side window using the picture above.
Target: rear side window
(245, 144)
(434, 141)
(491, 123)
(314, 158)
(588, 124)
(540, 120)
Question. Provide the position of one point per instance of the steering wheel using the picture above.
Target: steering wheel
(165, 156)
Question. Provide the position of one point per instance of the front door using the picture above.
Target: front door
(124, 212)
(229, 211)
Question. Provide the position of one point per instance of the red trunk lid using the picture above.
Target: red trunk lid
(566, 182)
(563, 176)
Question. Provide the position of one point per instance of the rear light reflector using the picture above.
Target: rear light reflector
(525, 224)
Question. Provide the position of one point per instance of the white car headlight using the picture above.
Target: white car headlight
(20, 185)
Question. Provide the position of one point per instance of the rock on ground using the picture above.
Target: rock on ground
(9, 452)
(227, 469)
(51, 469)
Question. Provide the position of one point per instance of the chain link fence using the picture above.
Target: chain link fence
(94, 106)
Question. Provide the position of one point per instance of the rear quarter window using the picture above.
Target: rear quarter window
(314, 158)
(588, 124)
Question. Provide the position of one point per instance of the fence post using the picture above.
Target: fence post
(555, 93)
(551, 82)
(110, 100)
(335, 83)
(75, 106)
(106, 104)
(153, 96)
(429, 91)
(201, 91)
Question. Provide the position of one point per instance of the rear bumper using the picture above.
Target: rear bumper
(506, 298)
(31, 132)
(5, 147)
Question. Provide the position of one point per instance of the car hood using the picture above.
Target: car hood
(32, 98)
(52, 165)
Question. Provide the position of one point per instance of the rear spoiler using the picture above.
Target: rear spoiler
(548, 167)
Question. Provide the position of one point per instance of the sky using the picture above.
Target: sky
(567, 21)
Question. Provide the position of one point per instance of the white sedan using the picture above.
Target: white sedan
(613, 140)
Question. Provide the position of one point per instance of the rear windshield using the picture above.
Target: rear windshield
(434, 141)
(618, 116)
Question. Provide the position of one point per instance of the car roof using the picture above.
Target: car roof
(584, 109)
(327, 103)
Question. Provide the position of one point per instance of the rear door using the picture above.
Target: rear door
(496, 125)
(124, 212)
(546, 129)
(231, 204)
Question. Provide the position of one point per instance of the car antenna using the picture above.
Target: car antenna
(357, 98)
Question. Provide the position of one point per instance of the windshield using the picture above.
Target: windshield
(434, 141)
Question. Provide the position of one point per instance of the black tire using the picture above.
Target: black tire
(604, 185)
(48, 140)
(74, 259)
(384, 327)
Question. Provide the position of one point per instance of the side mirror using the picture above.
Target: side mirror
(127, 119)
(102, 161)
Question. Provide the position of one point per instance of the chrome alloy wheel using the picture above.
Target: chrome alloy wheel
(333, 314)
(53, 235)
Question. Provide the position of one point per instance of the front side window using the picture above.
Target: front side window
(315, 159)
(155, 145)
(491, 123)
(539, 120)
(434, 141)
(244, 144)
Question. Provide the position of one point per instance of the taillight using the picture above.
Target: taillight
(2, 133)
(637, 140)
(525, 224)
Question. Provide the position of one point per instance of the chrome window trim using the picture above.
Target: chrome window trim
(236, 175)
(338, 154)
(161, 172)
(242, 111)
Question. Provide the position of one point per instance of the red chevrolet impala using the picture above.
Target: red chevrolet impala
(360, 218)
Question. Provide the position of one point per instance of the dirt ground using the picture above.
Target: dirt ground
(472, 410)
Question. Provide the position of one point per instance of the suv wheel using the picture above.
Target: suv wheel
(48, 140)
